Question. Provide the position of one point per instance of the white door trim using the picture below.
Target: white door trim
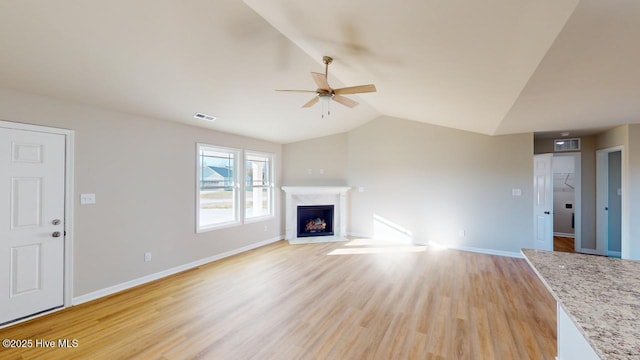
(68, 206)
(602, 185)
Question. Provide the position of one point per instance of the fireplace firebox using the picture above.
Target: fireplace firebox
(316, 220)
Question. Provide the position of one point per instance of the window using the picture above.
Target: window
(222, 199)
(258, 187)
(217, 187)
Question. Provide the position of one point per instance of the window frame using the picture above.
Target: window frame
(270, 186)
(237, 199)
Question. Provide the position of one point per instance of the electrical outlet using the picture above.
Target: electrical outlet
(462, 233)
(266, 228)
(87, 199)
(147, 256)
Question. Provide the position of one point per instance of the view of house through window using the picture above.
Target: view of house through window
(258, 191)
(217, 197)
(219, 187)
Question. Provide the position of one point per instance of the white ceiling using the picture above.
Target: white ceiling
(497, 67)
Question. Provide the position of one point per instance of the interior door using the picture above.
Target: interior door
(543, 201)
(609, 201)
(614, 213)
(32, 193)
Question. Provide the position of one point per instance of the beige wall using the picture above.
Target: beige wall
(543, 146)
(617, 136)
(143, 174)
(437, 182)
(320, 161)
(631, 185)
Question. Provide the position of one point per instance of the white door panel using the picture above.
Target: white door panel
(26, 205)
(32, 183)
(543, 201)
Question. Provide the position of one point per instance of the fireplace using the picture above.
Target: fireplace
(316, 220)
(314, 196)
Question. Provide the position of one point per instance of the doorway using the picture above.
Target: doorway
(609, 202)
(35, 254)
(566, 202)
(557, 199)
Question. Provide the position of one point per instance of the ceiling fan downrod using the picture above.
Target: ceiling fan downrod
(327, 60)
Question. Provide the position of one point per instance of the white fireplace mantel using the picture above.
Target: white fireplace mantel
(316, 195)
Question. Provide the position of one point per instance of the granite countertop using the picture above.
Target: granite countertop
(600, 294)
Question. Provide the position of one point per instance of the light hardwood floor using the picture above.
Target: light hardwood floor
(356, 300)
(564, 244)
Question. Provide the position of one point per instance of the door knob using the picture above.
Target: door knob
(547, 213)
(56, 234)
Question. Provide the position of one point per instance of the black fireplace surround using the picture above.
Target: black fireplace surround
(316, 220)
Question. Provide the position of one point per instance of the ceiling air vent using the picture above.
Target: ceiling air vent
(566, 145)
(204, 116)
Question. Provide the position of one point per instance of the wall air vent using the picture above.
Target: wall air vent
(202, 116)
(566, 145)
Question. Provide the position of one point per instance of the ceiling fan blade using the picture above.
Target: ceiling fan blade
(311, 102)
(356, 89)
(345, 101)
(321, 81)
(300, 91)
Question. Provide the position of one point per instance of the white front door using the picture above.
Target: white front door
(543, 201)
(32, 195)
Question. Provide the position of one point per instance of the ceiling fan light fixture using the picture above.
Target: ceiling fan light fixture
(325, 93)
(325, 97)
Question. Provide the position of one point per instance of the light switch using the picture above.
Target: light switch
(516, 192)
(87, 199)
(619, 192)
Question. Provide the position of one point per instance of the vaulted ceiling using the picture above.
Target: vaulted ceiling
(498, 67)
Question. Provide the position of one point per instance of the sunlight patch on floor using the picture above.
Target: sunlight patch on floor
(378, 250)
(355, 242)
(388, 238)
(437, 246)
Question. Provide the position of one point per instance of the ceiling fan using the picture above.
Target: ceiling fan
(326, 93)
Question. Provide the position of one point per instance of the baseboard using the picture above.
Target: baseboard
(488, 251)
(564, 235)
(473, 249)
(614, 253)
(358, 235)
(588, 251)
(148, 278)
(463, 248)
